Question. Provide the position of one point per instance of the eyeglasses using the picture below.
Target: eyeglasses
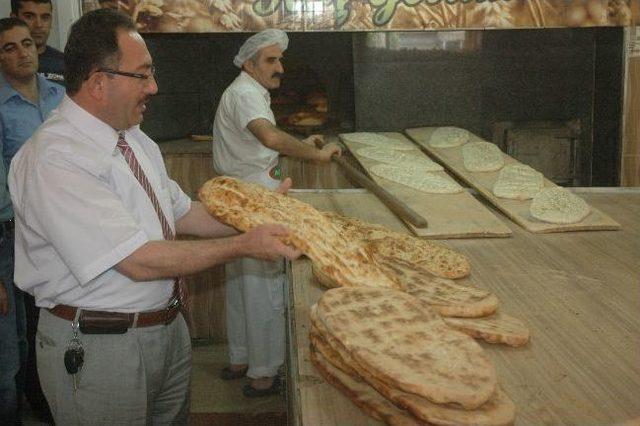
(130, 74)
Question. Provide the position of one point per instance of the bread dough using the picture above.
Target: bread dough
(416, 160)
(518, 182)
(482, 157)
(558, 205)
(447, 137)
(426, 182)
(377, 140)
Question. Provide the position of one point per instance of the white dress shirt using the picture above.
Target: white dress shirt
(236, 151)
(80, 210)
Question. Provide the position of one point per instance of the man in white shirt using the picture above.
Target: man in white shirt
(96, 215)
(246, 145)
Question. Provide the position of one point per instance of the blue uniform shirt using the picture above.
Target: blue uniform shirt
(6, 212)
(19, 119)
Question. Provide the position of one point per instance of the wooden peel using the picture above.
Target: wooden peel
(398, 207)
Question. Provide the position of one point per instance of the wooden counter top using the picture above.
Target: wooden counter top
(578, 292)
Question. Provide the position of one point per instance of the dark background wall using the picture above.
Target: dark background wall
(194, 70)
(510, 75)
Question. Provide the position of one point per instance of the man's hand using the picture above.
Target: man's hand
(285, 186)
(4, 300)
(265, 242)
(314, 140)
(328, 151)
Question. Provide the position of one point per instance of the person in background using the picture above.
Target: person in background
(246, 145)
(96, 217)
(12, 322)
(38, 14)
(26, 99)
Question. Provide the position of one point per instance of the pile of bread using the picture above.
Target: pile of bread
(401, 363)
(395, 335)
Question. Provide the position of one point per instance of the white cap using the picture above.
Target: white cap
(257, 41)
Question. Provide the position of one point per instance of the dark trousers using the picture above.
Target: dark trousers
(13, 343)
(32, 390)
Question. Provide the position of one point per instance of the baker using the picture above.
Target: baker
(246, 145)
(95, 222)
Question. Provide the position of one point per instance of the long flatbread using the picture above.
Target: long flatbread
(244, 206)
(497, 328)
(446, 296)
(436, 258)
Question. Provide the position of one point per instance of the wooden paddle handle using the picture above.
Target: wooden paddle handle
(398, 207)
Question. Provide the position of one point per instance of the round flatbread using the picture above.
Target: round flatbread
(518, 182)
(558, 205)
(447, 137)
(482, 157)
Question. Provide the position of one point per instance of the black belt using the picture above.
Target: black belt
(7, 225)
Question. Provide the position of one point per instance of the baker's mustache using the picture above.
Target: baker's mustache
(277, 74)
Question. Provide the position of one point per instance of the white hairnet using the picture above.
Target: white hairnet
(258, 41)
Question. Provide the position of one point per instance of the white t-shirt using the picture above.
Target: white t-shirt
(80, 210)
(236, 151)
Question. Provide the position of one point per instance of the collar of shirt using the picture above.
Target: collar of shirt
(105, 136)
(250, 80)
(46, 89)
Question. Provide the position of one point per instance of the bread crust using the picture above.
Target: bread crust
(245, 205)
(393, 336)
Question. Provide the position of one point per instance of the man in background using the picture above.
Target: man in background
(38, 14)
(26, 99)
(246, 145)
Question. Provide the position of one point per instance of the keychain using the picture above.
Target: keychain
(74, 355)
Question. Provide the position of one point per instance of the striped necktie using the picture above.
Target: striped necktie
(180, 288)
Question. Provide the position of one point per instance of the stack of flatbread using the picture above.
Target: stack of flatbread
(401, 363)
(427, 271)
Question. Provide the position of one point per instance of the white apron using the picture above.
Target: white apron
(255, 307)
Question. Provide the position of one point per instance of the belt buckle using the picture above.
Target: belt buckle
(175, 302)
